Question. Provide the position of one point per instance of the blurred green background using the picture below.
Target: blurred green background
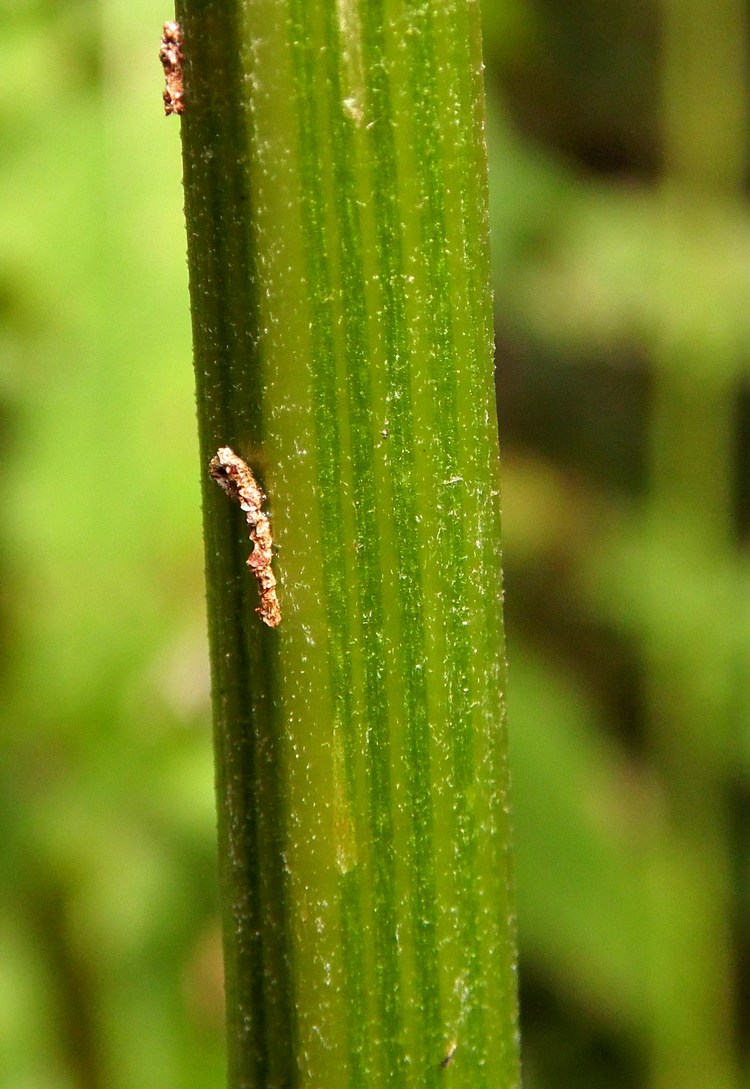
(621, 242)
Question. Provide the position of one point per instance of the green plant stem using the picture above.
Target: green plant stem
(335, 183)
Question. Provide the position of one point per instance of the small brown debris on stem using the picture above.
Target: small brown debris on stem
(448, 1059)
(170, 55)
(236, 478)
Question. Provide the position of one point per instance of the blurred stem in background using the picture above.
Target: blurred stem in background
(691, 691)
(336, 209)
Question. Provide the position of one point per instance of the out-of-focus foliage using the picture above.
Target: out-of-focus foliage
(621, 235)
(111, 969)
(620, 232)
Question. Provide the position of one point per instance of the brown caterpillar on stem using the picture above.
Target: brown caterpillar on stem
(170, 55)
(236, 478)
